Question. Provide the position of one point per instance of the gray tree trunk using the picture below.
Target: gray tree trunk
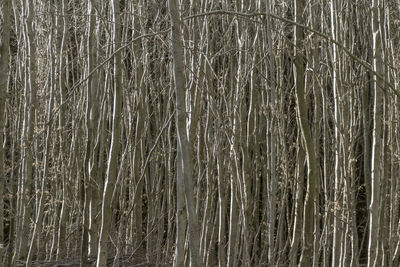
(5, 25)
(184, 147)
(109, 185)
(374, 248)
(303, 122)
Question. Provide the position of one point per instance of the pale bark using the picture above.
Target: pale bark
(180, 217)
(95, 132)
(139, 133)
(30, 87)
(241, 67)
(221, 208)
(109, 185)
(337, 203)
(271, 133)
(183, 144)
(374, 252)
(298, 205)
(38, 218)
(63, 31)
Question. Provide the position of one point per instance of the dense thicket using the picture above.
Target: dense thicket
(202, 132)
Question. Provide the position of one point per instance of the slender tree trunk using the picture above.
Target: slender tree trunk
(302, 113)
(5, 25)
(221, 209)
(94, 128)
(37, 229)
(337, 222)
(374, 251)
(29, 120)
(61, 238)
(109, 185)
(271, 133)
(183, 145)
(180, 217)
(298, 205)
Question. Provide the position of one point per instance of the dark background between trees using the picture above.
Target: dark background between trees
(200, 132)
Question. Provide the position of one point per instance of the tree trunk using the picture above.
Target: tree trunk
(302, 113)
(271, 133)
(374, 249)
(109, 185)
(5, 25)
(184, 147)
